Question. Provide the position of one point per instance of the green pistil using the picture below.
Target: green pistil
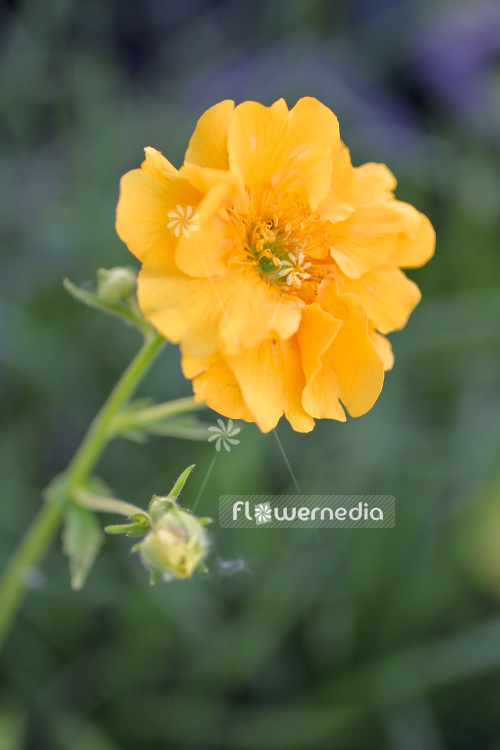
(267, 266)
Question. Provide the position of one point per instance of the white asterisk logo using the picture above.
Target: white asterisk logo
(224, 434)
(262, 513)
(294, 269)
(183, 220)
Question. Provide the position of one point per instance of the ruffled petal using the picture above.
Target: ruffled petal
(369, 237)
(387, 295)
(224, 312)
(208, 144)
(271, 146)
(260, 374)
(205, 251)
(321, 393)
(366, 239)
(343, 194)
(414, 250)
(383, 348)
(376, 183)
(295, 383)
(146, 197)
(351, 355)
(214, 383)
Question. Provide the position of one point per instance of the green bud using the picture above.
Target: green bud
(160, 505)
(176, 545)
(115, 285)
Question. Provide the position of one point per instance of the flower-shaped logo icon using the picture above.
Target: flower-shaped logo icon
(224, 434)
(263, 513)
(183, 220)
(294, 269)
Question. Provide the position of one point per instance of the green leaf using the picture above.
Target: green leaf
(130, 529)
(177, 488)
(134, 436)
(120, 528)
(82, 539)
(141, 520)
(188, 428)
(136, 530)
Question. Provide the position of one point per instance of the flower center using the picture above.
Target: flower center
(279, 255)
(283, 240)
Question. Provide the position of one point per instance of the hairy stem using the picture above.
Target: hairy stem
(45, 525)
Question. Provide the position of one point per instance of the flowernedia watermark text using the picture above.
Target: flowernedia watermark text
(307, 511)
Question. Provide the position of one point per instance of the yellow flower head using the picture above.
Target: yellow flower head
(274, 263)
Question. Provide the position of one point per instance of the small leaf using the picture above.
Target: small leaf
(205, 520)
(119, 528)
(141, 520)
(130, 529)
(134, 436)
(136, 530)
(177, 488)
(82, 539)
(188, 428)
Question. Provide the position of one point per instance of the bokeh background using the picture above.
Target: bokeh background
(366, 639)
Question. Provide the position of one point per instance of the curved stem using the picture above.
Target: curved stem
(97, 436)
(48, 520)
(32, 547)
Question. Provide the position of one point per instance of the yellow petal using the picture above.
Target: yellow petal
(351, 356)
(414, 251)
(295, 382)
(214, 383)
(227, 312)
(343, 195)
(146, 197)
(157, 165)
(387, 295)
(322, 390)
(376, 182)
(366, 239)
(383, 348)
(260, 374)
(208, 144)
(370, 236)
(271, 146)
(206, 178)
(205, 252)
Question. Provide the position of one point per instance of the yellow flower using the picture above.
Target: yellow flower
(280, 297)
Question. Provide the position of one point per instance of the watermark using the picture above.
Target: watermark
(224, 434)
(307, 511)
(183, 220)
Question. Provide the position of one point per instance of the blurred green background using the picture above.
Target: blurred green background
(367, 639)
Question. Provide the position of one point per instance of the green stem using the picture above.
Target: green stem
(98, 435)
(32, 547)
(134, 420)
(46, 523)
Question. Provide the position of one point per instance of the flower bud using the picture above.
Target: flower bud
(116, 284)
(176, 545)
